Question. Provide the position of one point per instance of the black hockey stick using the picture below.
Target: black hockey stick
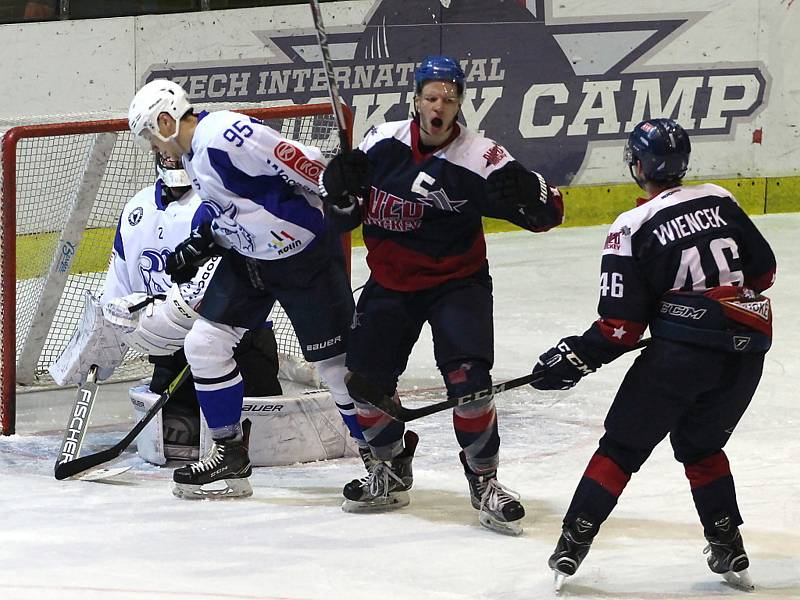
(78, 419)
(71, 468)
(333, 87)
(366, 391)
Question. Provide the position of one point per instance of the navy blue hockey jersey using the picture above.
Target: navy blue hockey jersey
(689, 238)
(422, 221)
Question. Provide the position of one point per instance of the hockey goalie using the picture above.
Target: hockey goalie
(140, 308)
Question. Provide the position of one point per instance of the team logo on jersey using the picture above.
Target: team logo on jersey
(393, 213)
(238, 236)
(545, 84)
(439, 199)
(294, 158)
(494, 154)
(612, 240)
(135, 216)
(151, 265)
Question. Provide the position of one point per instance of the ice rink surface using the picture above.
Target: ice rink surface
(130, 539)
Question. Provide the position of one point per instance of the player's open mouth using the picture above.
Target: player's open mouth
(437, 122)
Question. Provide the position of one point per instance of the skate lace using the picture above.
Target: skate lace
(377, 482)
(496, 495)
(211, 461)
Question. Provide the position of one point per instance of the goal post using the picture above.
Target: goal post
(63, 189)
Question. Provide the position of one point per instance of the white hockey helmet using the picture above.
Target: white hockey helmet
(158, 96)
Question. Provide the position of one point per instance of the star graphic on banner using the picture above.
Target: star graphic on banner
(619, 332)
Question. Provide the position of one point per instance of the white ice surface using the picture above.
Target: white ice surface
(130, 539)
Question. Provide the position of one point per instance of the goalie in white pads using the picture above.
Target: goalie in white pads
(269, 227)
(151, 224)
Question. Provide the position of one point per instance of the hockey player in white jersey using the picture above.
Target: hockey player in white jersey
(268, 224)
(152, 223)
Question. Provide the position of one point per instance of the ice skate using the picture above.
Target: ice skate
(387, 482)
(571, 549)
(222, 473)
(369, 460)
(499, 507)
(727, 556)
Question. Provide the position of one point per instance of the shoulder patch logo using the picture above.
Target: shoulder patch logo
(135, 216)
(494, 154)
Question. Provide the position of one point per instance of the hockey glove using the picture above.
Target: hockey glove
(513, 187)
(192, 252)
(348, 174)
(561, 367)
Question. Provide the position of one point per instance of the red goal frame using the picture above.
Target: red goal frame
(8, 223)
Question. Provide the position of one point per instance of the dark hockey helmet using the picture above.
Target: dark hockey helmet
(663, 148)
(439, 68)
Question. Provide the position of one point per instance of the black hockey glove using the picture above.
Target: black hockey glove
(513, 187)
(348, 174)
(192, 252)
(561, 367)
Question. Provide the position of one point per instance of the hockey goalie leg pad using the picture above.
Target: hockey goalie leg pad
(150, 442)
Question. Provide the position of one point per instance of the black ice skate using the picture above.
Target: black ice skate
(499, 507)
(222, 473)
(387, 482)
(571, 549)
(727, 556)
(367, 457)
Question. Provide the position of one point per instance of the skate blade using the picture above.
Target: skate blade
(513, 528)
(393, 501)
(558, 580)
(218, 490)
(740, 580)
(101, 474)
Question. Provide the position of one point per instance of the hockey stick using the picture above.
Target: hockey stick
(81, 464)
(78, 419)
(369, 392)
(333, 87)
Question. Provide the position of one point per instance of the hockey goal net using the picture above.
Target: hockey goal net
(63, 188)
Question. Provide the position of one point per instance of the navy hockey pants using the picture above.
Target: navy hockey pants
(312, 287)
(695, 395)
(388, 324)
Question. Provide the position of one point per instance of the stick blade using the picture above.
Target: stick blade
(71, 468)
(102, 474)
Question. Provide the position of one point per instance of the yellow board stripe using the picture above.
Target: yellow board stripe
(35, 252)
(584, 205)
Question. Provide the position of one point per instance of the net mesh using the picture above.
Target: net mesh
(48, 173)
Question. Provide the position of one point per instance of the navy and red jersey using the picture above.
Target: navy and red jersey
(688, 238)
(422, 220)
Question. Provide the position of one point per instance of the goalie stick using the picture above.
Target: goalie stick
(78, 419)
(333, 87)
(370, 393)
(71, 468)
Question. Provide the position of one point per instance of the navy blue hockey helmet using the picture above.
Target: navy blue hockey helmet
(663, 148)
(439, 68)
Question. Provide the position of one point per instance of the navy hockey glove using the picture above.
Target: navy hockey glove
(513, 187)
(561, 367)
(348, 174)
(192, 252)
